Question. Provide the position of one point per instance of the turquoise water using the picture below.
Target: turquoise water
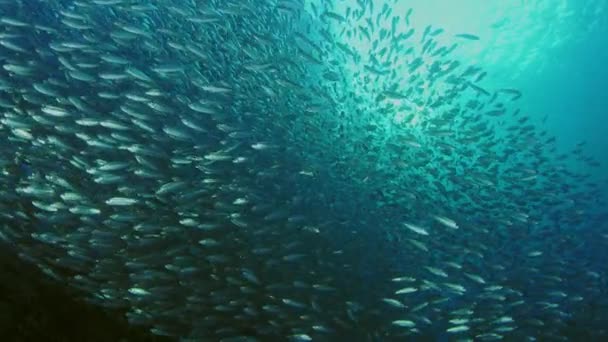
(313, 170)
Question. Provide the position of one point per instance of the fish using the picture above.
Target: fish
(467, 36)
(416, 229)
(393, 302)
(404, 323)
(406, 290)
(288, 170)
(121, 201)
(445, 221)
(457, 329)
(334, 16)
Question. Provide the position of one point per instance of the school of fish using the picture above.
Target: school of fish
(235, 170)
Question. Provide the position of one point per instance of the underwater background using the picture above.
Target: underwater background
(270, 170)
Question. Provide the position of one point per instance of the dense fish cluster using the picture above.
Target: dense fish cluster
(239, 169)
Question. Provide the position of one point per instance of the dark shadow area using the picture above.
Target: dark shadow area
(33, 308)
